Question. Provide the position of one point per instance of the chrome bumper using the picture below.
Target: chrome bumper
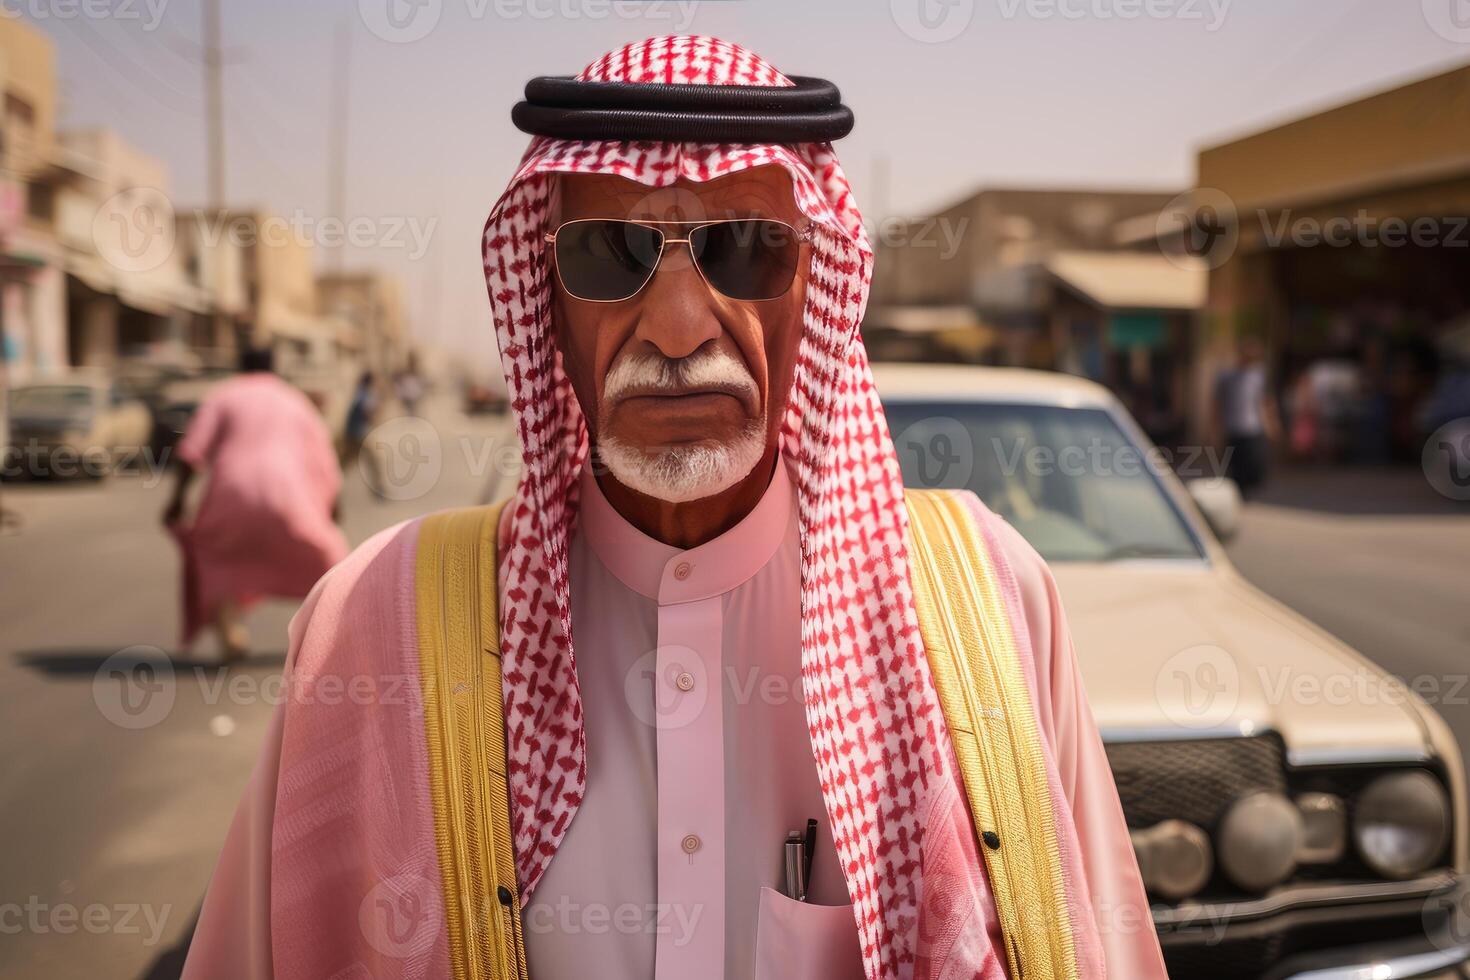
(1383, 931)
(1421, 964)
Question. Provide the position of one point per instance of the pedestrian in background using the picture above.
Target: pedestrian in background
(265, 527)
(1245, 413)
(360, 415)
(409, 387)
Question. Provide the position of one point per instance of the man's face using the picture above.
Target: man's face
(683, 388)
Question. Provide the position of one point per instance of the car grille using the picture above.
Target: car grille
(1193, 780)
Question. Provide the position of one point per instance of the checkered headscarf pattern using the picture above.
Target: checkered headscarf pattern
(875, 723)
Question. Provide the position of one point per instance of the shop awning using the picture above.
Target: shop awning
(924, 319)
(1133, 280)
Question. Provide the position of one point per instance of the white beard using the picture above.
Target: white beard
(684, 473)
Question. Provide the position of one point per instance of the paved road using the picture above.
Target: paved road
(110, 832)
(1380, 560)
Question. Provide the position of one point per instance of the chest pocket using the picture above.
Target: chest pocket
(800, 941)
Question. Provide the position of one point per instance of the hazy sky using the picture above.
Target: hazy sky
(954, 94)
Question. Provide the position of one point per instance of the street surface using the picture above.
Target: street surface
(111, 832)
(1382, 561)
(112, 820)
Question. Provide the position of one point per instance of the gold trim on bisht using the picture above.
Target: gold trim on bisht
(457, 595)
(987, 704)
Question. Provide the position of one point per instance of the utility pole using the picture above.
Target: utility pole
(337, 152)
(214, 97)
(214, 107)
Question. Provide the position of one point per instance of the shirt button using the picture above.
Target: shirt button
(682, 570)
(685, 681)
(690, 843)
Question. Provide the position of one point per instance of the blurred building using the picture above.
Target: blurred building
(217, 258)
(1348, 251)
(99, 269)
(32, 287)
(1045, 278)
(257, 268)
(370, 305)
(127, 292)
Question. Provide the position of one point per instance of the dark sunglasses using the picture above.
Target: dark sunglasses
(605, 260)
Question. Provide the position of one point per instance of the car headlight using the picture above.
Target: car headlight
(1174, 858)
(1402, 823)
(1260, 836)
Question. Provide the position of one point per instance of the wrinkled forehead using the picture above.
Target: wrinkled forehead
(759, 192)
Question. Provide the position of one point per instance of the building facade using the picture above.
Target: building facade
(1343, 242)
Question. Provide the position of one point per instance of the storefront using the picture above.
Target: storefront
(1350, 257)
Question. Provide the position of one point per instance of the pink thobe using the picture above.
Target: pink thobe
(699, 763)
(265, 525)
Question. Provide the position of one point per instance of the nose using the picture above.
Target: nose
(677, 311)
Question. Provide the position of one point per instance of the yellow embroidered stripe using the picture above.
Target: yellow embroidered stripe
(987, 705)
(459, 671)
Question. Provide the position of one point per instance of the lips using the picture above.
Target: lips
(689, 397)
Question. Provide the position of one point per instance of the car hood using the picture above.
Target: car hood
(1188, 650)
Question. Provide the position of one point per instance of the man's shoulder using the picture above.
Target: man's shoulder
(389, 556)
(1011, 554)
(358, 602)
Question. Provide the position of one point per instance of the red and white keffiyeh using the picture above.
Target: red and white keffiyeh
(876, 728)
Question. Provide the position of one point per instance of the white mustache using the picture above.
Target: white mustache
(652, 374)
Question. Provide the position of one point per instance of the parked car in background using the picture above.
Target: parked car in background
(1296, 811)
(74, 425)
(481, 399)
(174, 404)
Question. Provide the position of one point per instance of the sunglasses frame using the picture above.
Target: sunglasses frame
(803, 237)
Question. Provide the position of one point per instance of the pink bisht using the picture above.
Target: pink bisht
(264, 528)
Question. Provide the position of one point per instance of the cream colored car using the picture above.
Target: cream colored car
(1295, 811)
(74, 425)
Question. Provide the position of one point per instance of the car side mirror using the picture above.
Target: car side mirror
(1218, 498)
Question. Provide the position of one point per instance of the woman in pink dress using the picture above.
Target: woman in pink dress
(266, 525)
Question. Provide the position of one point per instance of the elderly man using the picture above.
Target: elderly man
(709, 696)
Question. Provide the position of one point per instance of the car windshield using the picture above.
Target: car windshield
(1068, 479)
(44, 401)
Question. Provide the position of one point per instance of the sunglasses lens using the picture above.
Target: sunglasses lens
(606, 260)
(747, 259)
